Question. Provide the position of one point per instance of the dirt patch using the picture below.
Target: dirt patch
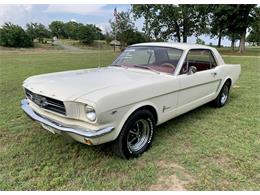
(66, 47)
(236, 86)
(171, 177)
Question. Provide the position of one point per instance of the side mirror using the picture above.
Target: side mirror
(192, 70)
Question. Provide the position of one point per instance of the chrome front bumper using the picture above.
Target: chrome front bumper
(61, 127)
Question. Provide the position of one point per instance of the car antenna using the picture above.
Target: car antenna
(99, 51)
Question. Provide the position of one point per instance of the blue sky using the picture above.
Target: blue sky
(92, 14)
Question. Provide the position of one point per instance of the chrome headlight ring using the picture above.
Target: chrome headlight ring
(90, 113)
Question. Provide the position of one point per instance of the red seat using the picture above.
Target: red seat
(202, 66)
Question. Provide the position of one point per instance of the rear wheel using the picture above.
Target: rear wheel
(136, 135)
(223, 95)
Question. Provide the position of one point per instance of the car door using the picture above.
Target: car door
(199, 87)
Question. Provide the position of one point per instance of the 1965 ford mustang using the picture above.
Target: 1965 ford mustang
(148, 84)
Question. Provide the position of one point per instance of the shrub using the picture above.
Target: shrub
(14, 36)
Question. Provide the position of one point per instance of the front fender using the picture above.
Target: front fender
(130, 111)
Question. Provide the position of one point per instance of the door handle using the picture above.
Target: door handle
(213, 73)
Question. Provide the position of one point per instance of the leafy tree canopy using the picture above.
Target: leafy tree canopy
(37, 30)
(172, 21)
(14, 36)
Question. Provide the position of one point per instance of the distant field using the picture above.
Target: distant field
(250, 51)
(96, 45)
(206, 149)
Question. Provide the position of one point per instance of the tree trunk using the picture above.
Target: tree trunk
(219, 39)
(156, 34)
(242, 42)
(184, 38)
(177, 31)
(178, 37)
(233, 44)
(184, 33)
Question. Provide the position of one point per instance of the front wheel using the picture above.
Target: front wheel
(136, 135)
(223, 95)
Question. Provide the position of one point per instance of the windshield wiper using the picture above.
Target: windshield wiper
(147, 67)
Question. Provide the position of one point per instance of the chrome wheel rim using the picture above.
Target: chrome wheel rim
(224, 95)
(138, 136)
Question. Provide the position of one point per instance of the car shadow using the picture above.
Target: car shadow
(163, 130)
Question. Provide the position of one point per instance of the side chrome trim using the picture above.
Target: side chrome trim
(177, 90)
(82, 132)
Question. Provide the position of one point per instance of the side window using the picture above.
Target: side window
(202, 59)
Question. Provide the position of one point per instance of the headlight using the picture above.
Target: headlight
(90, 113)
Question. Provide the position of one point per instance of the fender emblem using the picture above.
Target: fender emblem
(165, 108)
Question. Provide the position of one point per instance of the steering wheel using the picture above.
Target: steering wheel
(168, 64)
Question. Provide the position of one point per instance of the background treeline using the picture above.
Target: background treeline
(178, 22)
(15, 36)
(161, 23)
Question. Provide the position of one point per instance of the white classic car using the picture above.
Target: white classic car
(148, 84)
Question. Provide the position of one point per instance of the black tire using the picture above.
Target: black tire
(136, 135)
(223, 95)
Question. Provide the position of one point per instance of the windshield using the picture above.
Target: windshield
(158, 59)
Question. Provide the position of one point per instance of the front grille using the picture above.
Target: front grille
(46, 102)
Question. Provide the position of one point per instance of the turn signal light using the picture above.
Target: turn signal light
(88, 142)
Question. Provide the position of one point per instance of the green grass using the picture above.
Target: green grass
(96, 45)
(250, 51)
(217, 148)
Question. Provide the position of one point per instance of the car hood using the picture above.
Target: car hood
(70, 85)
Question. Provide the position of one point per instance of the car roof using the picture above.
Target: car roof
(183, 46)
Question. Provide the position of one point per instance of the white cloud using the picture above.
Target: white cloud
(83, 9)
(13, 12)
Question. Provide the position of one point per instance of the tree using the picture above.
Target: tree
(244, 17)
(122, 27)
(232, 21)
(222, 23)
(218, 21)
(172, 21)
(30, 30)
(97, 31)
(71, 29)
(86, 34)
(41, 32)
(233, 37)
(108, 37)
(200, 41)
(14, 36)
(57, 29)
(254, 36)
(151, 23)
(134, 36)
(192, 20)
(74, 30)
(37, 30)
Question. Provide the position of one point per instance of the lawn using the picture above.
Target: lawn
(250, 51)
(205, 149)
